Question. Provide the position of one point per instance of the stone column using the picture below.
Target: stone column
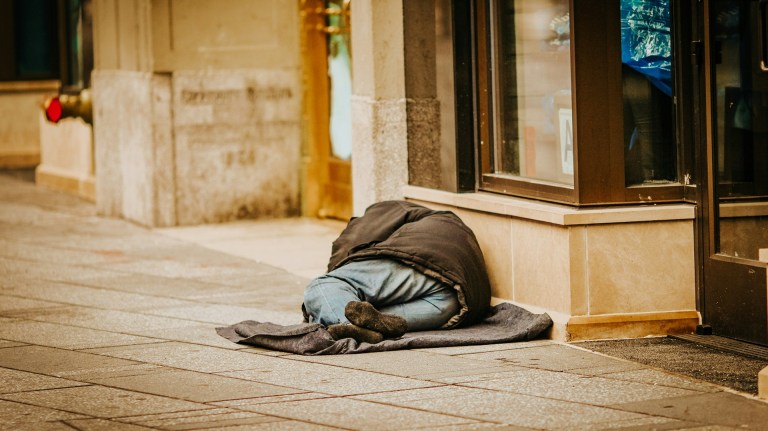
(379, 120)
(423, 107)
(197, 110)
(132, 129)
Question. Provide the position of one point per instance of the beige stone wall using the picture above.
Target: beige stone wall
(639, 267)
(122, 35)
(134, 146)
(396, 121)
(66, 157)
(625, 278)
(379, 122)
(20, 107)
(423, 107)
(60, 153)
(237, 139)
(198, 109)
(202, 34)
(380, 151)
(172, 35)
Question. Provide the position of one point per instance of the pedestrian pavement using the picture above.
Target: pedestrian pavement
(106, 325)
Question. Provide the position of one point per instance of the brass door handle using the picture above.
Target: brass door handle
(331, 11)
(332, 29)
(342, 12)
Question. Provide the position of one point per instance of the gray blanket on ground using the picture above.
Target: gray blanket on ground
(505, 323)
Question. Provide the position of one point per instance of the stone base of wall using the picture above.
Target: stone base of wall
(66, 157)
(613, 326)
(21, 105)
(196, 147)
(65, 181)
(630, 325)
(599, 273)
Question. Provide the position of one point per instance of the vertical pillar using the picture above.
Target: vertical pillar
(197, 111)
(132, 136)
(379, 123)
(422, 105)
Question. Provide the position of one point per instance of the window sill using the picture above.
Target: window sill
(551, 213)
(29, 86)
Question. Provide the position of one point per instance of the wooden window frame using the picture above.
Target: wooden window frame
(597, 100)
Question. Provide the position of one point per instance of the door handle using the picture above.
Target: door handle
(342, 13)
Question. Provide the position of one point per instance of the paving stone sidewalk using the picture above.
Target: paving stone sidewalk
(105, 325)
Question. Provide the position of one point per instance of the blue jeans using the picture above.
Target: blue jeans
(393, 288)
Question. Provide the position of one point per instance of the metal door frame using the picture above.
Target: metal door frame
(732, 294)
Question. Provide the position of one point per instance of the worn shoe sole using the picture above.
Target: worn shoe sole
(348, 330)
(365, 315)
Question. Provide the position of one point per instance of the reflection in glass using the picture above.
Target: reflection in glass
(340, 79)
(646, 55)
(741, 130)
(533, 88)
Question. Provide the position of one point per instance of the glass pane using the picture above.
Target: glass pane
(340, 76)
(75, 43)
(36, 49)
(534, 137)
(646, 56)
(741, 129)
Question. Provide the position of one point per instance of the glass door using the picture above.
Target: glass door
(327, 153)
(734, 299)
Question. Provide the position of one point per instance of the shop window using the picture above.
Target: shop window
(575, 100)
(524, 74)
(647, 87)
(29, 40)
(46, 39)
(531, 89)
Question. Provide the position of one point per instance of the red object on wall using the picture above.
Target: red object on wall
(53, 110)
